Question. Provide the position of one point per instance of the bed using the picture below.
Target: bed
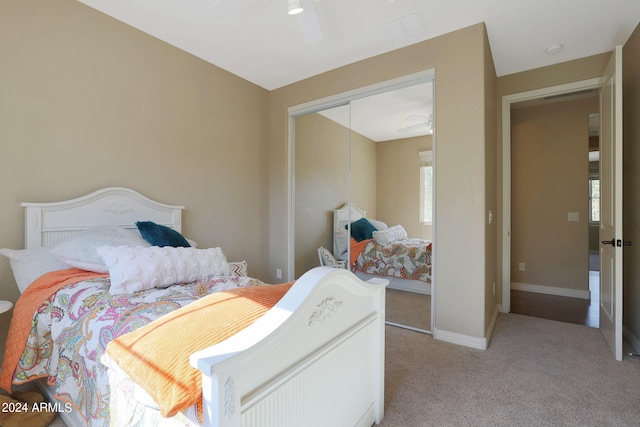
(313, 356)
(404, 261)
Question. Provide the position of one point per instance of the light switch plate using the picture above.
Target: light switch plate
(573, 216)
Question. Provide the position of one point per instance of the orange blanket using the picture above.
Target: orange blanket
(32, 298)
(356, 250)
(156, 356)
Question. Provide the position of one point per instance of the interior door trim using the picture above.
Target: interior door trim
(507, 100)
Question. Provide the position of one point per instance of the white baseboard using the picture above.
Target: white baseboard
(633, 341)
(459, 339)
(551, 290)
(466, 340)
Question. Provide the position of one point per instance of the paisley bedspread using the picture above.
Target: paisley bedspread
(70, 332)
(405, 259)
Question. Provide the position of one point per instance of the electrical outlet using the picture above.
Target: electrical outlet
(278, 273)
(521, 266)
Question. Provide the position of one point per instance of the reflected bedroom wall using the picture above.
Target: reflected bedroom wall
(399, 184)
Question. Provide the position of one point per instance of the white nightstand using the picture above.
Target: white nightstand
(5, 306)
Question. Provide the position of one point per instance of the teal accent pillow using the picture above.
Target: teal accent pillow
(161, 235)
(362, 229)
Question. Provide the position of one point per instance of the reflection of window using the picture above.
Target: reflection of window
(594, 200)
(426, 187)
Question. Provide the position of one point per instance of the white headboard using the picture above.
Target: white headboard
(47, 224)
(341, 217)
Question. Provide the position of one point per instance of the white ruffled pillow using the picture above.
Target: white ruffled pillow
(389, 235)
(134, 269)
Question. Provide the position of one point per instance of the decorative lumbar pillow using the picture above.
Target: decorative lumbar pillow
(134, 269)
(362, 229)
(389, 235)
(161, 235)
(238, 269)
(29, 264)
(80, 251)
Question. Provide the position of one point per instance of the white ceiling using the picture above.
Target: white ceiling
(396, 114)
(258, 41)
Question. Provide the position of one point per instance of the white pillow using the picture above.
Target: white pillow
(80, 251)
(342, 242)
(29, 264)
(379, 225)
(389, 235)
(134, 269)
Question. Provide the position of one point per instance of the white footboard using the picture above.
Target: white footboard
(315, 359)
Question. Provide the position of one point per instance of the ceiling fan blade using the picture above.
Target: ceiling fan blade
(309, 23)
(418, 118)
(415, 127)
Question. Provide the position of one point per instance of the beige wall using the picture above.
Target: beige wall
(364, 173)
(631, 178)
(399, 184)
(88, 102)
(322, 182)
(461, 127)
(549, 179)
(491, 189)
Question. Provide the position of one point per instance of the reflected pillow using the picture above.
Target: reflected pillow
(389, 235)
(161, 235)
(342, 241)
(362, 229)
(379, 225)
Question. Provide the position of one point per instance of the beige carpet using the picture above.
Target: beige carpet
(536, 372)
(408, 308)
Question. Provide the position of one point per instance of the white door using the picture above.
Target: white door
(611, 242)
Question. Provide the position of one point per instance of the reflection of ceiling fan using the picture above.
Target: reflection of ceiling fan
(308, 20)
(422, 122)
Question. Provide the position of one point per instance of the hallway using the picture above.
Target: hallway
(563, 309)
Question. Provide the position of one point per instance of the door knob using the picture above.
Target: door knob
(619, 243)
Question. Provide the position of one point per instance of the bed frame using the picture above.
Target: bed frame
(349, 213)
(315, 359)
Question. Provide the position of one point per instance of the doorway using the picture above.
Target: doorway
(515, 271)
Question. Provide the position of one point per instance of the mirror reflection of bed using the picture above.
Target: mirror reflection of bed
(372, 249)
(338, 159)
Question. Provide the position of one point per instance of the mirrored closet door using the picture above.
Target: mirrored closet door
(367, 161)
(321, 184)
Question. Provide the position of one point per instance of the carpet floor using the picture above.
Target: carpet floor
(408, 308)
(536, 372)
